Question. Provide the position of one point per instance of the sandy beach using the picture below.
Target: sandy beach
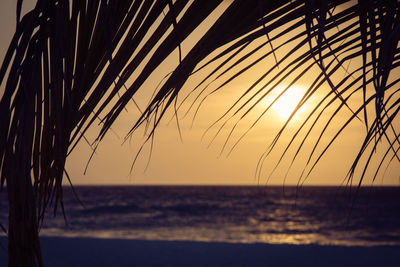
(60, 252)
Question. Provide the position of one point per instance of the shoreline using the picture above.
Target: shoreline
(62, 251)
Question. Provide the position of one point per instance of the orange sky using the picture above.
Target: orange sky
(191, 160)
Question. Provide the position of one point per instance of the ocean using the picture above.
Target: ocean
(369, 216)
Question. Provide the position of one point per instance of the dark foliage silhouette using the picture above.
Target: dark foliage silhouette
(68, 63)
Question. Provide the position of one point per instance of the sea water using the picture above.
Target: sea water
(367, 216)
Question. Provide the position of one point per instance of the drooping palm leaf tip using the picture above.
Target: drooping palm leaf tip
(69, 62)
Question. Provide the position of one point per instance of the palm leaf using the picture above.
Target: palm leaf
(69, 63)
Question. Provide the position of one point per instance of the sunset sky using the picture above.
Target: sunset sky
(193, 160)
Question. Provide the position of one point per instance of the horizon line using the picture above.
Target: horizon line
(232, 185)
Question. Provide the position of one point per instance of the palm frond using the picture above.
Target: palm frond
(69, 63)
(65, 64)
(333, 35)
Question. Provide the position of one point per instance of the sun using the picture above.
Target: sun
(287, 102)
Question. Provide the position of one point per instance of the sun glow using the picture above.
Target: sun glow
(287, 102)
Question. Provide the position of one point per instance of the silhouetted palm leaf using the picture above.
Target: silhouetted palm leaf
(68, 64)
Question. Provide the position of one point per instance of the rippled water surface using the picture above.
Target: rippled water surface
(309, 215)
